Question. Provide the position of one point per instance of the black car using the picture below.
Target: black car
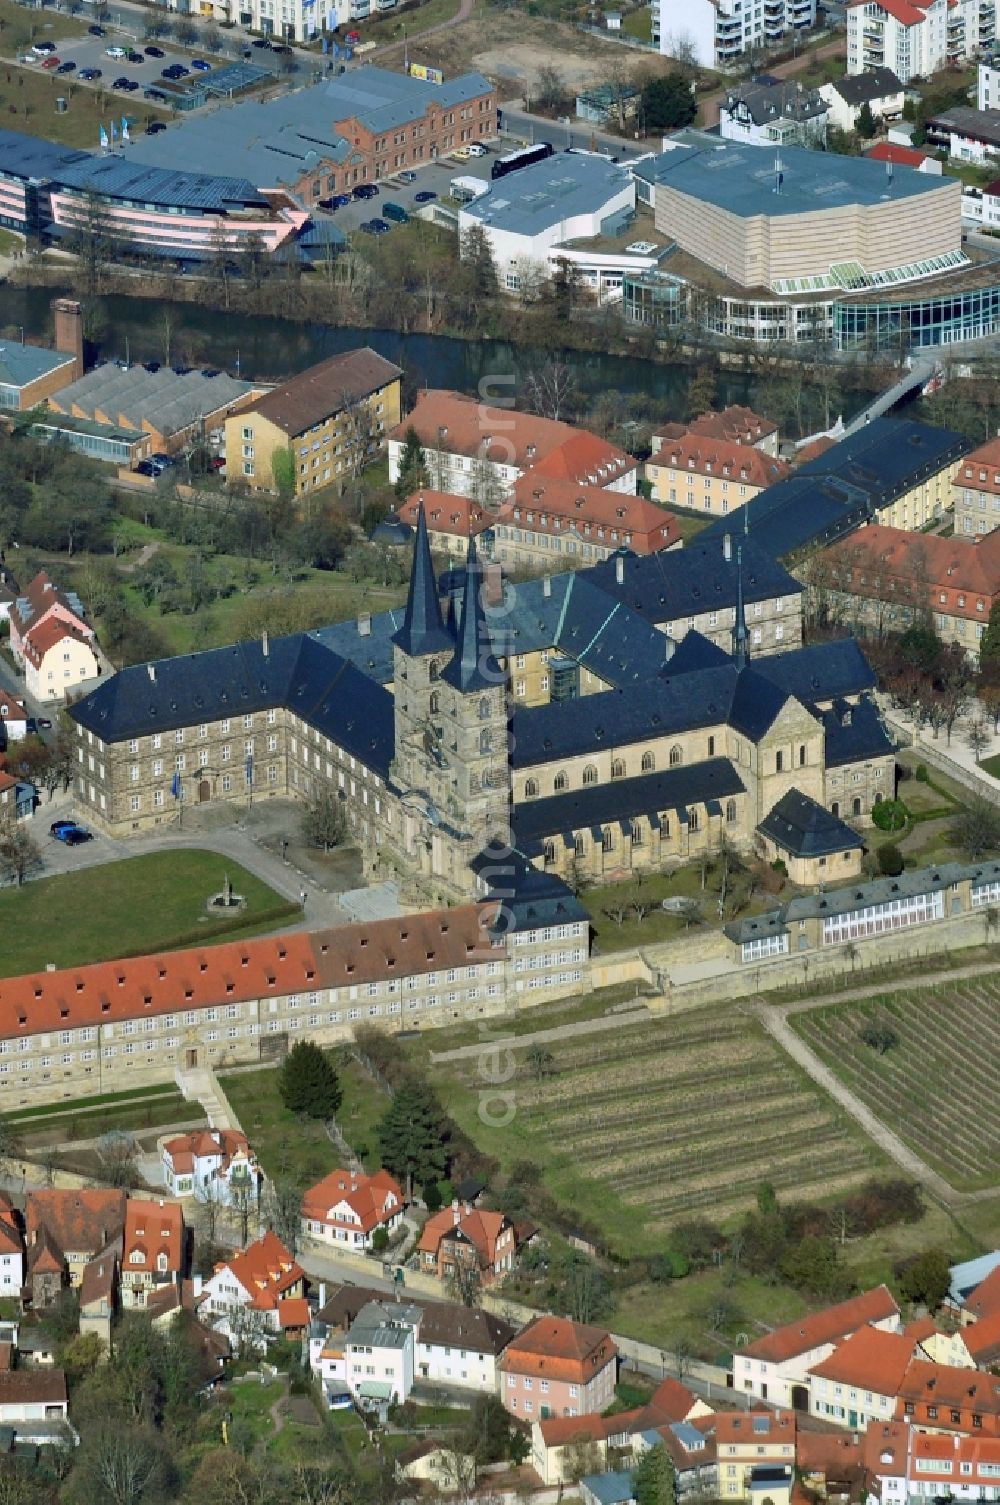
(154, 51)
(424, 196)
(97, 31)
(261, 42)
(154, 128)
(74, 836)
(89, 74)
(154, 94)
(144, 468)
(152, 366)
(67, 67)
(365, 191)
(135, 57)
(282, 48)
(121, 82)
(379, 226)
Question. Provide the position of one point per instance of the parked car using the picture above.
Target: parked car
(261, 42)
(461, 154)
(155, 94)
(353, 36)
(45, 723)
(133, 84)
(283, 48)
(163, 461)
(118, 53)
(61, 825)
(365, 191)
(200, 66)
(424, 196)
(217, 462)
(70, 833)
(395, 212)
(145, 468)
(67, 67)
(154, 51)
(134, 57)
(97, 31)
(477, 149)
(89, 74)
(380, 227)
(121, 82)
(50, 62)
(43, 49)
(407, 176)
(367, 227)
(30, 726)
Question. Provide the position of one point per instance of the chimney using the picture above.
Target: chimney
(620, 568)
(727, 547)
(322, 1294)
(547, 585)
(151, 671)
(456, 1216)
(67, 317)
(364, 624)
(264, 644)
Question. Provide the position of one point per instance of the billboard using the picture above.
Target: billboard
(429, 75)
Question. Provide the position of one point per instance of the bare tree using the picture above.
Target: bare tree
(19, 854)
(118, 1153)
(283, 1212)
(551, 390)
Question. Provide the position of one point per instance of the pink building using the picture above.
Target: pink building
(556, 1367)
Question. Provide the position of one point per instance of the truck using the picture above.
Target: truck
(465, 189)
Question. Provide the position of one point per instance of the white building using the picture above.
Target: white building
(291, 20)
(531, 213)
(915, 40)
(461, 1346)
(988, 87)
(255, 1294)
(778, 113)
(11, 1251)
(879, 88)
(209, 1163)
(375, 1359)
(347, 1207)
(716, 32)
(776, 1367)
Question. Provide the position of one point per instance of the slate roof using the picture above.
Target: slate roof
(863, 736)
(684, 582)
(775, 99)
(601, 804)
(297, 672)
(529, 896)
(845, 486)
(21, 364)
(799, 825)
(133, 396)
(819, 671)
(875, 83)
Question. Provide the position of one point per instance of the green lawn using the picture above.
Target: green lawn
(991, 766)
(639, 23)
(135, 1116)
(150, 903)
(658, 925)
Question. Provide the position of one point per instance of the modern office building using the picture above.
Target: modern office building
(716, 34)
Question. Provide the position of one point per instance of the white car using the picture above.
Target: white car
(42, 49)
(117, 53)
(477, 149)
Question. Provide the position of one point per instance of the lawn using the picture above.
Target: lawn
(65, 1128)
(126, 908)
(944, 1067)
(641, 1126)
(28, 94)
(991, 766)
(639, 24)
(612, 932)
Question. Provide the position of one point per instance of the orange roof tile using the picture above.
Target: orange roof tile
(266, 1270)
(827, 1326)
(985, 1299)
(738, 424)
(78, 1222)
(948, 1386)
(827, 1452)
(673, 1400)
(956, 577)
(742, 1427)
(482, 1229)
(884, 1447)
(375, 1199)
(558, 1431)
(445, 513)
(869, 1360)
(293, 1311)
(556, 1348)
(205, 1144)
(982, 1339)
(48, 634)
(904, 156)
(980, 469)
(697, 454)
(557, 505)
(152, 1229)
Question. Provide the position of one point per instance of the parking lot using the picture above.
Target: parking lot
(433, 177)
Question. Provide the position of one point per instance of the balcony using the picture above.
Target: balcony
(728, 26)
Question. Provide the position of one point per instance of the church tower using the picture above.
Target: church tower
(741, 636)
(420, 649)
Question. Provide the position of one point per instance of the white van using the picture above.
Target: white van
(117, 53)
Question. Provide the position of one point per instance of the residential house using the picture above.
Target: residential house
(734, 424)
(976, 489)
(346, 1207)
(254, 1294)
(981, 1341)
(32, 1396)
(939, 1346)
(99, 1295)
(436, 1463)
(557, 525)
(614, 1488)
(830, 1464)
(451, 520)
(11, 1250)
(886, 578)
(898, 155)
(756, 1455)
(51, 639)
(914, 40)
(966, 134)
(372, 1354)
(878, 88)
(860, 1380)
(560, 1445)
(463, 1237)
(556, 1367)
(75, 1226)
(773, 112)
(153, 1252)
(968, 1280)
(693, 1453)
(713, 476)
(902, 1463)
(983, 1300)
(322, 426)
(213, 1164)
(13, 719)
(478, 451)
(939, 1398)
(776, 1367)
(673, 1415)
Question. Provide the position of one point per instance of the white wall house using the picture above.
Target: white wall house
(776, 1367)
(375, 1358)
(11, 1253)
(209, 1164)
(717, 33)
(245, 1296)
(880, 88)
(916, 40)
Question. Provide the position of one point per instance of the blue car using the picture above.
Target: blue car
(69, 833)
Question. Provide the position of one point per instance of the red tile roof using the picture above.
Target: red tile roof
(905, 156)
(980, 470)
(696, 454)
(869, 1360)
(153, 1229)
(32, 1386)
(737, 1427)
(558, 505)
(674, 1401)
(49, 633)
(884, 1447)
(375, 1199)
(445, 513)
(78, 1222)
(956, 577)
(900, 10)
(293, 1311)
(11, 709)
(813, 450)
(827, 1453)
(205, 1144)
(329, 387)
(42, 595)
(947, 1386)
(985, 1299)
(266, 1270)
(828, 1326)
(737, 424)
(556, 1348)
(481, 1229)
(982, 1339)
(561, 1431)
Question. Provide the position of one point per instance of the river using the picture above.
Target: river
(263, 348)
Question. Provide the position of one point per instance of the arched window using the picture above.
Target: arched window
(435, 703)
(730, 811)
(607, 839)
(530, 789)
(676, 756)
(617, 769)
(560, 782)
(484, 740)
(433, 668)
(578, 846)
(550, 852)
(802, 755)
(637, 834)
(648, 762)
(779, 762)
(590, 774)
(692, 821)
(711, 747)
(856, 807)
(484, 709)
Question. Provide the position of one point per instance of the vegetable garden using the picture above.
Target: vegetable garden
(938, 1085)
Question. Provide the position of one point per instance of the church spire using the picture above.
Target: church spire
(474, 666)
(422, 630)
(741, 637)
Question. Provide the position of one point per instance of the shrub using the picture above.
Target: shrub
(889, 815)
(777, 866)
(890, 860)
(922, 776)
(432, 1196)
(380, 1240)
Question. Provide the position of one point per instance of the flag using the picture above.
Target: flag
(175, 786)
(104, 139)
(125, 134)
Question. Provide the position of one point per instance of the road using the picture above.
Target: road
(837, 46)
(565, 132)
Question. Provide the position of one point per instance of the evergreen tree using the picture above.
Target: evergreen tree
(653, 1482)
(989, 645)
(308, 1083)
(413, 472)
(668, 103)
(412, 1135)
(865, 125)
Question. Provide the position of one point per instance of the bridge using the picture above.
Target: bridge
(915, 379)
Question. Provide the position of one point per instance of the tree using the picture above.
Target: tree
(119, 1465)
(323, 821)
(186, 32)
(283, 471)
(118, 1152)
(19, 854)
(550, 89)
(701, 393)
(698, 1240)
(926, 1278)
(584, 1290)
(551, 389)
(283, 1212)
(308, 1083)
(412, 1135)
(413, 473)
(653, 1482)
(489, 1430)
(540, 1060)
(977, 738)
(890, 860)
(466, 1281)
(865, 124)
(668, 103)
(11, 1145)
(976, 828)
(880, 1036)
(989, 645)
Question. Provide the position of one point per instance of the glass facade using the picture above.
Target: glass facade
(652, 299)
(919, 323)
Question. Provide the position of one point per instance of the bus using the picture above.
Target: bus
(580, 151)
(523, 158)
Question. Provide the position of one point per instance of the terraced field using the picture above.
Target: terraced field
(939, 1087)
(667, 1118)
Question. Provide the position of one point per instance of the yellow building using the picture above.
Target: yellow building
(322, 426)
(709, 475)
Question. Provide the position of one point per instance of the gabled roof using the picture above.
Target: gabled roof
(445, 513)
(980, 470)
(755, 1428)
(982, 1339)
(205, 1144)
(478, 1227)
(99, 1279)
(697, 454)
(877, 83)
(869, 1360)
(39, 597)
(329, 387)
(556, 1348)
(947, 1386)
(904, 156)
(802, 827)
(950, 576)
(78, 1222)
(48, 634)
(738, 424)
(559, 506)
(153, 1229)
(374, 1199)
(984, 1299)
(265, 1270)
(677, 583)
(828, 1326)
(884, 1448)
(563, 1431)
(36, 1385)
(968, 1276)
